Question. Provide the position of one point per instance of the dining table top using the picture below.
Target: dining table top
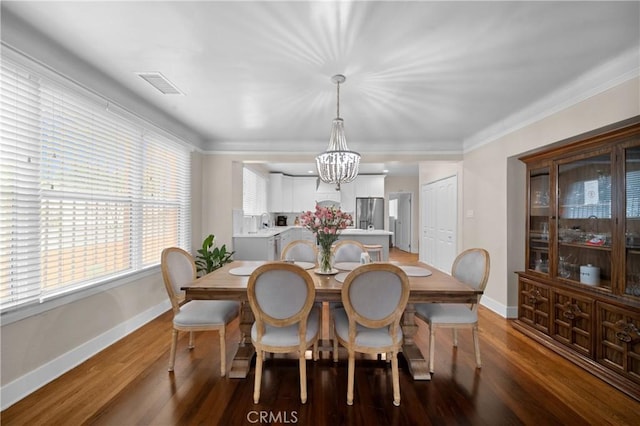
(428, 284)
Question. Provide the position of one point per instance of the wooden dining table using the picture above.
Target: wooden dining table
(437, 287)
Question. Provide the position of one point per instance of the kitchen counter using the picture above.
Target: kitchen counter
(351, 232)
(267, 244)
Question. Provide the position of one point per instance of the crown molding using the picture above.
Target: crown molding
(622, 68)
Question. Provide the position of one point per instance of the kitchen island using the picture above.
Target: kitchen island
(267, 244)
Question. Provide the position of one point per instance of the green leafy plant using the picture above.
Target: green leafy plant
(210, 257)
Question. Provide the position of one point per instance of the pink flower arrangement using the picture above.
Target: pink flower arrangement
(326, 224)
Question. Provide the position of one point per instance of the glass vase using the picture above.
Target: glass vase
(325, 259)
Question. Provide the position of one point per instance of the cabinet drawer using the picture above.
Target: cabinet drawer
(534, 304)
(618, 343)
(573, 321)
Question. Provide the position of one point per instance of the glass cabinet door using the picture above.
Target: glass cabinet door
(539, 220)
(584, 221)
(632, 234)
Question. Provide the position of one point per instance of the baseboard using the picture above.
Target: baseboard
(500, 309)
(32, 381)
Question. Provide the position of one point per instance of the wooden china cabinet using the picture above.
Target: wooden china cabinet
(580, 292)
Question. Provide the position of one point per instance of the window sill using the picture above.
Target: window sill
(53, 302)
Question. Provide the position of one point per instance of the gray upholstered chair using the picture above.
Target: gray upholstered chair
(178, 269)
(470, 267)
(347, 251)
(281, 297)
(300, 251)
(374, 298)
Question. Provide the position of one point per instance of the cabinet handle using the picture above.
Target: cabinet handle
(533, 296)
(627, 332)
(570, 310)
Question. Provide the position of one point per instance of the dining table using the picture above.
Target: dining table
(428, 285)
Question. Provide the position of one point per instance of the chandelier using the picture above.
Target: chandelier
(338, 164)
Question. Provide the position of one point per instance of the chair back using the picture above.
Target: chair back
(280, 294)
(472, 267)
(347, 251)
(300, 251)
(375, 295)
(178, 269)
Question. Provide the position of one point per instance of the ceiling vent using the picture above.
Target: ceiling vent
(160, 82)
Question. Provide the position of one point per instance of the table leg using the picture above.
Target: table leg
(418, 364)
(242, 360)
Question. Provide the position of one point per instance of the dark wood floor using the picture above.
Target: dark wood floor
(520, 383)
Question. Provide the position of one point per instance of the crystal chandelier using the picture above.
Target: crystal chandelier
(338, 164)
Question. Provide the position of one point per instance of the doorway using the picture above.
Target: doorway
(400, 219)
(439, 223)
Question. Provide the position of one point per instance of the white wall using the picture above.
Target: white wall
(494, 184)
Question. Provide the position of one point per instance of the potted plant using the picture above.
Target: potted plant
(210, 257)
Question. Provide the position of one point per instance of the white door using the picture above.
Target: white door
(439, 219)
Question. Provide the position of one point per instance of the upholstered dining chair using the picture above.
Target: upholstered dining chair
(300, 251)
(178, 269)
(281, 297)
(347, 251)
(374, 297)
(470, 267)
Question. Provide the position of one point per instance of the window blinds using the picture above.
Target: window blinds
(254, 192)
(86, 195)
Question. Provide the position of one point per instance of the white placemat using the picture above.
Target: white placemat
(341, 276)
(305, 265)
(415, 271)
(347, 266)
(243, 270)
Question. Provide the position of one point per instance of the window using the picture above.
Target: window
(87, 196)
(254, 192)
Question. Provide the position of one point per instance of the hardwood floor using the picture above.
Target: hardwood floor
(520, 382)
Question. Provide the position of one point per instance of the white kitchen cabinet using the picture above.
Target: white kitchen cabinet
(286, 237)
(304, 194)
(369, 186)
(280, 193)
(256, 248)
(348, 197)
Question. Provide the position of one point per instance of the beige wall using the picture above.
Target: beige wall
(406, 184)
(493, 184)
(37, 340)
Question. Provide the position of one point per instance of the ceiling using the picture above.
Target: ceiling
(422, 76)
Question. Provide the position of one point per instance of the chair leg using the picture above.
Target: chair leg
(315, 350)
(303, 377)
(335, 343)
(476, 344)
(396, 379)
(455, 337)
(350, 377)
(258, 379)
(432, 344)
(191, 346)
(223, 352)
(172, 354)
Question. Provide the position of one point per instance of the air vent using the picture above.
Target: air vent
(160, 82)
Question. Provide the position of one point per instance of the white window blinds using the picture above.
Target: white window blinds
(254, 192)
(86, 195)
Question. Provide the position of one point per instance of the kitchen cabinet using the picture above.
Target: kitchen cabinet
(304, 193)
(369, 186)
(280, 193)
(580, 291)
(348, 197)
(256, 248)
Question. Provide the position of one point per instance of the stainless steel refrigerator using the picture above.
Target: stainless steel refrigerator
(369, 212)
